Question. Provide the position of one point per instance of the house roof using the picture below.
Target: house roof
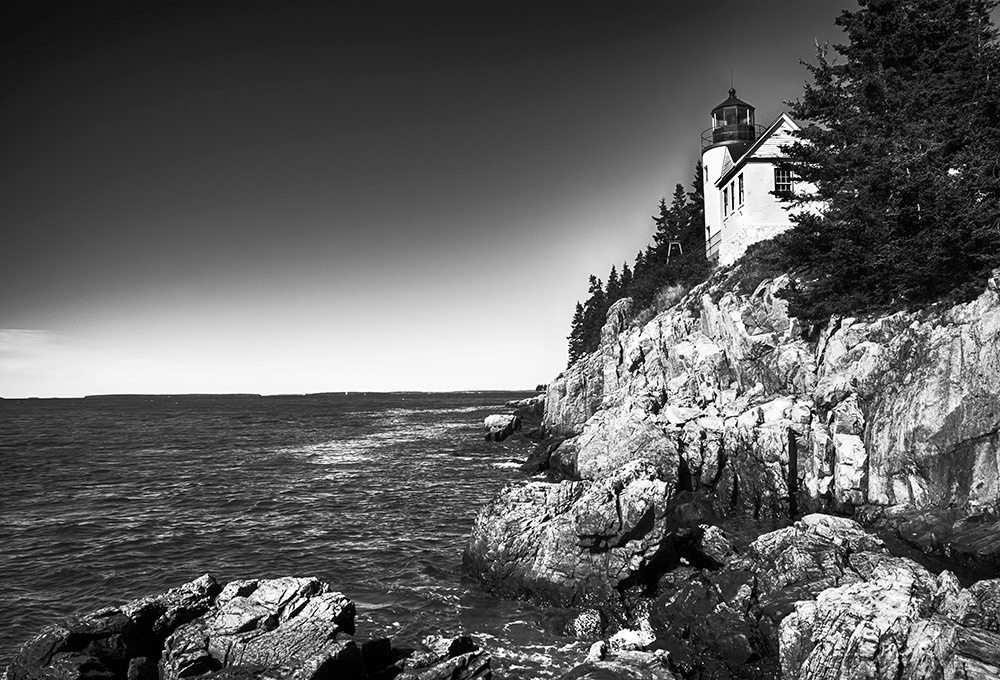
(777, 124)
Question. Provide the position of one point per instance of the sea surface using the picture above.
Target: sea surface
(105, 499)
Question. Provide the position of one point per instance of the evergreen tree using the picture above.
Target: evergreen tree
(626, 280)
(595, 310)
(683, 220)
(694, 236)
(671, 222)
(614, 291)
(902, 147)
(576, 336)
(661, 224)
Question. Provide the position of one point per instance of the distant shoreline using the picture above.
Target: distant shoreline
(197, 395)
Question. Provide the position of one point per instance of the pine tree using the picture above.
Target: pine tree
(683, 220)
(693, 237)
(576, 336)
(902, 147)
(671, 222)
(614, 290)
(595, 309)
(661, 224)
(626, 280)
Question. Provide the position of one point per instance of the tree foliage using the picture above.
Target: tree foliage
(659, 266)
(903, 147)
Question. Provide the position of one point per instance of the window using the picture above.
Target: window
(782, 180)
(741, 188)
(725, 201)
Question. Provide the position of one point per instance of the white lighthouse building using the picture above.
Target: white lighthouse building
(740, 161)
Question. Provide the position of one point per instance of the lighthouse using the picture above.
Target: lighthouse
(744, 179)
(733, 131)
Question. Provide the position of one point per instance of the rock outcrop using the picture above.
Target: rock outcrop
(899, 622)
(570, 543)
(723, 409)
(896, 410)
(499, 426)
(531, 406)
(722, 396)
(278, 629)
(818, 599)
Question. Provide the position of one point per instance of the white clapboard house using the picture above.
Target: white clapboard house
(740, 160)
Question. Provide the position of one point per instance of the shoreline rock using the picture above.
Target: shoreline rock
(277, 629)
(499, 426)
(802, 602)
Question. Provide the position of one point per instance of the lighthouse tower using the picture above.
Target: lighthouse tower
(733, 131)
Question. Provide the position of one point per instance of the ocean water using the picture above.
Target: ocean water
(110, 498)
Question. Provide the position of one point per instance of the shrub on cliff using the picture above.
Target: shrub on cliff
(903, 146)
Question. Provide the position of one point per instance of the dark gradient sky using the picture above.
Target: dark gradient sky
(309, 196)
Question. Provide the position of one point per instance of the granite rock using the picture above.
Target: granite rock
(499, 426)
(278, 629)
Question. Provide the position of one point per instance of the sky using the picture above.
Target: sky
(304, 196)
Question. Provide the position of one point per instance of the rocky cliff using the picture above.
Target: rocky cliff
(691, 433)
(898, 412)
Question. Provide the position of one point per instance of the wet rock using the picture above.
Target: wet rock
(628, 639)
(705, 621)
(714, 545)
(500, 426)
(142, 668)
(447, 658)
(106, 641)
(540, 458)
(440, 648)
(971, 540)
(282, 622)
(278, 629)
(604, 664)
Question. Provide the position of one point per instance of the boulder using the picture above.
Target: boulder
(447, 658)
(499, 426)
(287, 622)
(575, 542)
(115, 640)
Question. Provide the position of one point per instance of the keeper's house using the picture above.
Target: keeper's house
(740, 161)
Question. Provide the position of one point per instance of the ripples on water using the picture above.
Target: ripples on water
(106, 499)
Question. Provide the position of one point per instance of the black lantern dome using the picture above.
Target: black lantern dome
(732, 122)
